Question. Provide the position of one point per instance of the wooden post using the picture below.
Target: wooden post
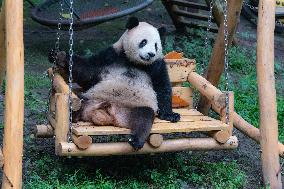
(60, 86)
(14, 97)
(62, 119)
(216, 64)
(231, 112)
(2, 46)
(267, 94)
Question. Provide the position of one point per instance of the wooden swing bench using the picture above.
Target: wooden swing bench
(180, 70)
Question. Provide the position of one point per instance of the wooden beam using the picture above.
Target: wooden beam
(252, 132)
(44, 131)
(267, 94)
(82, 142)
(14, 97)
(216, 64)
(211, 92)
(207, 89)
(123, 148)
(2, 46)
(62, 119)
(187, 14)
(194, 24)
(156, 140)
(184, 3)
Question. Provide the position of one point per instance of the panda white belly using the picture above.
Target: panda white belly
(110, 101)
(124, 87)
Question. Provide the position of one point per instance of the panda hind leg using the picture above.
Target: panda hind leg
(140, 122)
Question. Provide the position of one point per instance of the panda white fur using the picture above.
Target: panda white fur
(127, 84)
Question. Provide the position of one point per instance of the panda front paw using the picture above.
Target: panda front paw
(135, 142)
(172, 117)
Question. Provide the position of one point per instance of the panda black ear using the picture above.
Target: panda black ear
(162, 31)
(132, 23)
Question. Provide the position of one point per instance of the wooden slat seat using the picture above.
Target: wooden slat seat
(191, 120)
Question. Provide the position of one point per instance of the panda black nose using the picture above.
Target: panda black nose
(151, 54)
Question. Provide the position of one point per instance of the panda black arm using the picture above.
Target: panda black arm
(86, 70)
(162, 86)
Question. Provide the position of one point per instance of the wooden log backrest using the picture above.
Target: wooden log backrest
(179, 70)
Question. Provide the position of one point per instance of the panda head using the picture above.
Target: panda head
(141, 42)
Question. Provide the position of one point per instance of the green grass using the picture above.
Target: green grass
(33, 99)
(166, 172)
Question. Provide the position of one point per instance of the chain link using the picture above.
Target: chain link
(206, 41)
(57, 46)
(226, 62)
(71, 32)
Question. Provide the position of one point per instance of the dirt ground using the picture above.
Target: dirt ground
(39, 39)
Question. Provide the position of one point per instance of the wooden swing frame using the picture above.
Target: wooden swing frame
(180, 70)
(12, 62)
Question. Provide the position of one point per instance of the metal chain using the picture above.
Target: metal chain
(226, 62)
(206, 41)
(57, 46)
(71, 32)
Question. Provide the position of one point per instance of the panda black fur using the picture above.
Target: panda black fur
(126, 84)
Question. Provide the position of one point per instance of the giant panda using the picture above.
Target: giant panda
(125, 85)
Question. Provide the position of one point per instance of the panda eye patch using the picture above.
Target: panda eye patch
(142, 43)
(156, 46)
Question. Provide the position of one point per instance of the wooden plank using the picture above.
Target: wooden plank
(184, 118)
(184, 3)
(179, 69)
(191, 15)
(164, 127)
(267, 95)
(195, 24)
(184, 93)
(190, 112)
